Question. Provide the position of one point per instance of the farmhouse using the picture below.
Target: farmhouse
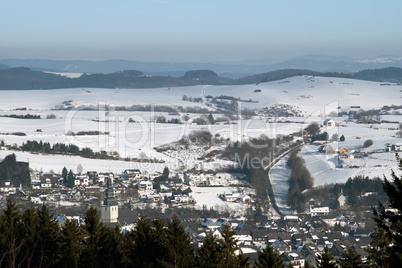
(393, 147)
(329, 123)
(319, 211)
(132, 174)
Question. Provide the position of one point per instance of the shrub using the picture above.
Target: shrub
(367, 143)
(51, 116)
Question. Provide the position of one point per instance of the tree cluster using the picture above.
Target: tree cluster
(14, 172)
(386, 245)
(34, 239)
(26, 116)
(60, 148)
(300, 179)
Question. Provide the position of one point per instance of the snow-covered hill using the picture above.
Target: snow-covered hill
(315, 97)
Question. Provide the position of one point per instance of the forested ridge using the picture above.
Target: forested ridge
(22, 78)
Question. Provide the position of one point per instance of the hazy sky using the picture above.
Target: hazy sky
(203, 30)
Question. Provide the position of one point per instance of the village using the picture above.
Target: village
(296, 237)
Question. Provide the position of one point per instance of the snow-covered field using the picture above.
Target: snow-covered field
(315, 97)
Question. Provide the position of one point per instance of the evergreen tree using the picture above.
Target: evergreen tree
(70, 179)
(70, 245)
(92, 232)
(140, 245)
(111, 253)
(11, 240)
(387, 239)
(180, 252)
(30, 227)
(268, 258)
(64, 174)
(165, 172)
(349, 259)
(229, 247)
(326, 259)
(209, 254)
(308, 265)
(342, 138)
(47, 234)
(211, 119)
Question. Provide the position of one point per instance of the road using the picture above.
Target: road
(270, 188)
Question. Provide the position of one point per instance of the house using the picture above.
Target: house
(102, 177)
(222, 222)
(176, 183)
(396, 147)
(338, 248)
(84, 179)
(294, 257)
(314, 211)
(8, 188)
(132, 174)
(326, 149)
(332, 220)
(92, 190)
(329, 123)
(145, 185)
(181, 197)
(48, 180)
(260, 235)
(93, 175)
(230, 197)
(208, 224)
(281, 246)
(243, 198)
(153, 197)
(310, 253)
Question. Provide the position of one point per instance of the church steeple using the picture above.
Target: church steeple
(110, 198)
(110, 208)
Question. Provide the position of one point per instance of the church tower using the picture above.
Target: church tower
(110, 208)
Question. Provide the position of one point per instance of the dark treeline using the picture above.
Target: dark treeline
(14, 172)
(60, 148)
(362, 192)
(33, 238)
(26, 116)
(25, 78)
(252, 156)
(140, 108)
(300, 179)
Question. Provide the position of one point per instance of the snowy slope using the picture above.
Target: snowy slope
(315, 96)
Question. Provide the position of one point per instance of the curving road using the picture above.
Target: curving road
(270, 188)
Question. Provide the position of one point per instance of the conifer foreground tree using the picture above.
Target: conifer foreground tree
(349, 259)
(209, 254)
(326, 259)
(387, 239)
(180, 252)
(268, 258)
(70, 245)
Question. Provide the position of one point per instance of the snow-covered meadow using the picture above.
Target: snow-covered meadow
(135, 134)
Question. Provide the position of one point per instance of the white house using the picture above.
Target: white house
(329, 123)
(319, 211)
(132, 174)
(145, 185)
(181, 197)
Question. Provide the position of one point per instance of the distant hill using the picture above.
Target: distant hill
(391, 74)
(23, 78)
(234, 70)
(274, 75)
(3, 66)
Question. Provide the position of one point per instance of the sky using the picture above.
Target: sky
(201, 31)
